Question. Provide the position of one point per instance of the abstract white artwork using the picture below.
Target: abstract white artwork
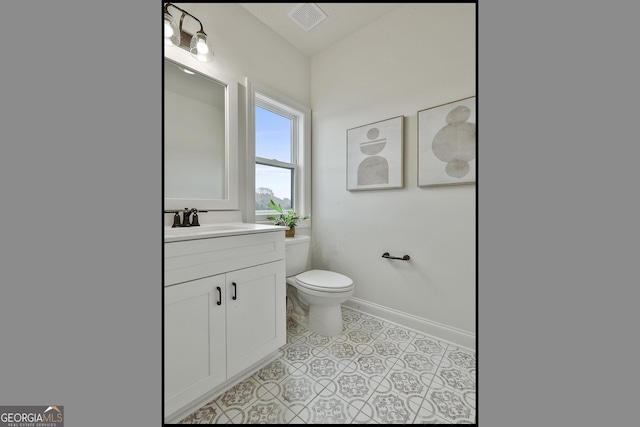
(447, 144)
(375, 155)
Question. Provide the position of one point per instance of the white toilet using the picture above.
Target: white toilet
(315, 295)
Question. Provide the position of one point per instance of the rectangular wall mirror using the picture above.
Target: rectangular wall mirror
(200, 136)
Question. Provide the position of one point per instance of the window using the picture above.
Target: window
(275, 171)
(279, 142)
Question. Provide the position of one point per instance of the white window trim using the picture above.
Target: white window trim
(301, 152)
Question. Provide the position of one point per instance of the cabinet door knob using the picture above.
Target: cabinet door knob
(235, 291)
(219, 295)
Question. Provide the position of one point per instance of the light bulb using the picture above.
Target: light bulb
(202, 47)
(171, 31)
(168, 31)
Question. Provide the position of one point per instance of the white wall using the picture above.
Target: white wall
(244, 47)
(418, 56)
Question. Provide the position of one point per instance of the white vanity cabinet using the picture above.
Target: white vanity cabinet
(224, 312)
(194, 336)
(256, 319)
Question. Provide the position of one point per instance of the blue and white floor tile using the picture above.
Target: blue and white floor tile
(375, 372)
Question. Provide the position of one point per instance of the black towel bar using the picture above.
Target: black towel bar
(404, 258)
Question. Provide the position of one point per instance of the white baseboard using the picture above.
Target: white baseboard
(443, 332)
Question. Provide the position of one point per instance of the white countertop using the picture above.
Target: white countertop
(205, 231)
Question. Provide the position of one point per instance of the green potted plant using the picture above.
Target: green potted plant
(288, 218)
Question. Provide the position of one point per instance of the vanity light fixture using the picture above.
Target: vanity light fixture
(199, 44)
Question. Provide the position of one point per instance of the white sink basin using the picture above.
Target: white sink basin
(216, 230)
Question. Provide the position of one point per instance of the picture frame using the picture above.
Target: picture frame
(375, 155)
(447, 144)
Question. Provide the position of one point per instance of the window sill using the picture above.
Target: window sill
(301, 224)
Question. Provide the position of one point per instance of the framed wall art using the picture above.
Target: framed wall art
(447, 144)
(375, 155)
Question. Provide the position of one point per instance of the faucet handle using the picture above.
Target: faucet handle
(194, 222)
(176, 219)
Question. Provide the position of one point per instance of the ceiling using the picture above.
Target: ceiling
(342, 20)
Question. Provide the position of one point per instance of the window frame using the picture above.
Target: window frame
(267, 104)
(300, 115)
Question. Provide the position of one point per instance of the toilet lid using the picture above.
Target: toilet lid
(323, 280)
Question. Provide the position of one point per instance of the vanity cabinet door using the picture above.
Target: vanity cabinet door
(256, 318)
(194, 340)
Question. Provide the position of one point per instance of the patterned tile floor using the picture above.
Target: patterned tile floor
(375, 372)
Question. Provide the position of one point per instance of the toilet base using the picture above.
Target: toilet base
(325, 320)
(299, 311)
(320, 313)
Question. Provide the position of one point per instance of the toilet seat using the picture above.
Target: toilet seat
(325, 281)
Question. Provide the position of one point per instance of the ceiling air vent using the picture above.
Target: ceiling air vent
(307, 15)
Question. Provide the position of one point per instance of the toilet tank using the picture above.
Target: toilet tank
(296, 254)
